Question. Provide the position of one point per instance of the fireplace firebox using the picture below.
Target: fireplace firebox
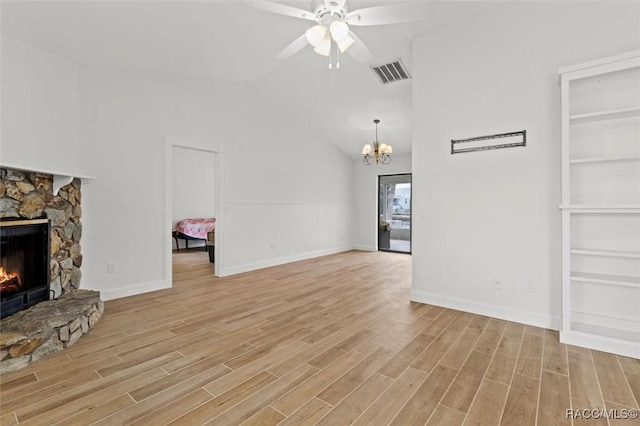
(24, 264)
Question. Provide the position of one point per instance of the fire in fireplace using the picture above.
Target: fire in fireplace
(9, 281)
(24, 264)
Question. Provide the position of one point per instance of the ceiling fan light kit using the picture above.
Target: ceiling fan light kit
(339, 30)
(344, 44)
(324, 47)
(333, 18)
(316, 34)
(322, 36)
(380, 153)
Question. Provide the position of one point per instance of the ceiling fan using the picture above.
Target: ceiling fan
(333, 18)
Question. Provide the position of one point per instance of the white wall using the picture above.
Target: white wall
(194, 186)
(494, 215)
(283, 198)
(365, 199)
(39, 109)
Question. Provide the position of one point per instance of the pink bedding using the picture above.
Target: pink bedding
(196, 228)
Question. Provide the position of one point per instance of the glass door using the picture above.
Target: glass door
(394, 213)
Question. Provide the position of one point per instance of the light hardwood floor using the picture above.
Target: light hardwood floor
(327, 341)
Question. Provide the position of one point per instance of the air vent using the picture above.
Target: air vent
(393, 71)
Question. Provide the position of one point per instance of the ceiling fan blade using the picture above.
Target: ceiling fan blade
(282, 9)
(296, 46)
(358, 50)
(385, 15)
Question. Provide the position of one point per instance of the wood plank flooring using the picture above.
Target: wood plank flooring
(327, 341)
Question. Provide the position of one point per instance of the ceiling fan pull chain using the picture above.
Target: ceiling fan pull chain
(330, 45)
(337, 57)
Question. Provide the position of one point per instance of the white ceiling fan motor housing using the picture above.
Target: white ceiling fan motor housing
(324, 9)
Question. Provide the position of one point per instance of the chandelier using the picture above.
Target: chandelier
(380, 152)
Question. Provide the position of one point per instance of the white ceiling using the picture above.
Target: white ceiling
(228, 39)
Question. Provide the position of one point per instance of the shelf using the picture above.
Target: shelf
(607, 61)
(606, 253)
(612, 333)
(603, 159)
(606, 115)
(46, 171)
(601, 208)
(60, 178)
(615, 280)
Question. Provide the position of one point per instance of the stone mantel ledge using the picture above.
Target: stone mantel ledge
(47, 328)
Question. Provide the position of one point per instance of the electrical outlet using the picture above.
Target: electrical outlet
(112, 267)
(497, 284)
(530, 287)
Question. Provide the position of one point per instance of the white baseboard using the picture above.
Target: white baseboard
(281, 261)
(487, 310)
(365, 248)
(601, 343)
(133, 290)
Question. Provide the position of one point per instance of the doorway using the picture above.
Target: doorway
(394, 213)
(194, 195)
(213, 169)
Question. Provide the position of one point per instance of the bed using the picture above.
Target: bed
(193, 230)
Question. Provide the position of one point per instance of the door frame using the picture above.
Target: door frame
(170, 143)
(378, 215)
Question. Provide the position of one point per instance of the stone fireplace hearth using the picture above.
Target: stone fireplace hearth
(51, 325)
(47, 328)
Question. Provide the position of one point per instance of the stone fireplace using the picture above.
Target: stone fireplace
(30, 196)
(42, 308)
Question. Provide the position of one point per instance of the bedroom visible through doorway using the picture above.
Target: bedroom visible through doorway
(394, 213)
(193, 201)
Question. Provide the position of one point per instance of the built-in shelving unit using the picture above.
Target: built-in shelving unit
(601, 204)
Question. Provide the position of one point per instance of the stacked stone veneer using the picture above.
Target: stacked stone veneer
(30, 195)
(47, 327)
(53, 325)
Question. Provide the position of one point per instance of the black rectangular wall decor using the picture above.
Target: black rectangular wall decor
(484, 143)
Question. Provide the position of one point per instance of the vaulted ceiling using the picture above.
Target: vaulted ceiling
(230, 39)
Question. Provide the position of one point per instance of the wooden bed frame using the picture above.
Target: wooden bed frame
(209, 242)
(179, 235)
